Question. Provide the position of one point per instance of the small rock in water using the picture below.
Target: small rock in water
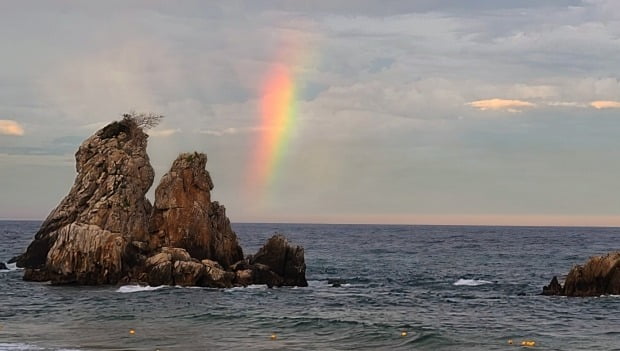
(336, 283)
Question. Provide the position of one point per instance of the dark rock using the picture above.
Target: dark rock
(599, 276)
(554, 288)
(3, 266)
(244, 277)
(187, 273)
(215, 276)
(336, 283)
(263, 274)
(284, 260)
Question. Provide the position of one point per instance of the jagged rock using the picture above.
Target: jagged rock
(283, 259)
(187, 273)
(554, 287)
(215, 276)
(106, 205)
(3, 266)
(263, 274)
(105, 231)
(244, 277)
(177, 254)
(185, 217)
(599, 276)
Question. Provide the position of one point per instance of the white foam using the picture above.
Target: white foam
(471, 282)
(242, 288)
(11, 267)
(137, 288)
(318, 283)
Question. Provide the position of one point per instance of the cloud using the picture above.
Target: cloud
(164, 132)
(500, 104)
(566, 104)
(231, 131)
(227, 131)
(10, 127)
(605, 104)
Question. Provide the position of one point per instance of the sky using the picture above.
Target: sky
(340, 111)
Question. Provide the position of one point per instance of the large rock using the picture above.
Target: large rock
(285, 260)
(106, 232)
(105, 209)
(185, 217)
(599, 276)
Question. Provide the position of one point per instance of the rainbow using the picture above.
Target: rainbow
(278, 116)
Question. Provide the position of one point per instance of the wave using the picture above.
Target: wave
(249, 287)
(10, 268)
(471, 282)
(125, 289)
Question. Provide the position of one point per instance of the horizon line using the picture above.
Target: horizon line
(501, 221)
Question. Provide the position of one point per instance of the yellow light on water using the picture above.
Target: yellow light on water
(403, 333)
(132, 331)
(274, 336)
(528, 343)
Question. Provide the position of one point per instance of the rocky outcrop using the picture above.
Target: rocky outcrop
(83, 239)
(185, 217)
(599, 276)
(284, 260)
(105, 231)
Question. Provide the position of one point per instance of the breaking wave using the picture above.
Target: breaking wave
(137, 288)
(471, 282)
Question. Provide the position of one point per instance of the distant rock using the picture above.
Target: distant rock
(105, 231)
(3, 266)
(554, 288)
(599, 276)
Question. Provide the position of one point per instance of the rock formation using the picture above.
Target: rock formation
(185, 217)
(105, 231)
(599, 276)
(84, 239)
(283, 259)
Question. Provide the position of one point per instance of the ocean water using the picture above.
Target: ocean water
(448, 287)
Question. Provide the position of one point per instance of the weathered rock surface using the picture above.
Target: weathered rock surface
(285, 260)
(185, 217)
(599, 276)
(106, 204)
(105, 231)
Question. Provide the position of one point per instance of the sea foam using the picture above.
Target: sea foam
(137, 288)
(471, 282)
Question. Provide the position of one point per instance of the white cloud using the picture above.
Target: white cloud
(500, 104)
(566, 104)
(605, 104)
(164, 132)
(10, 127)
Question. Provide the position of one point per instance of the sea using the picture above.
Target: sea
(400, 288)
